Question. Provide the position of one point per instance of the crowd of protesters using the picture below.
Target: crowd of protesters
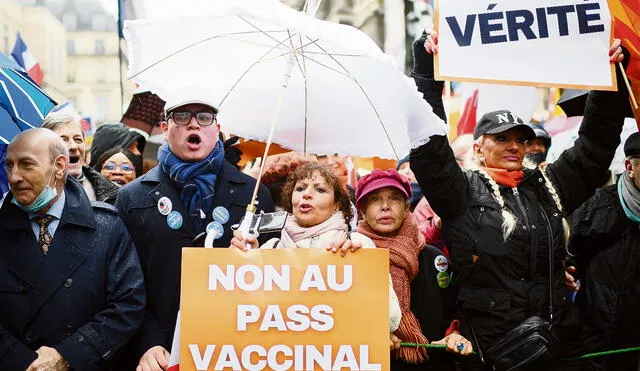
(487, 242)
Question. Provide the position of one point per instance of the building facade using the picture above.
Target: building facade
(77, 46)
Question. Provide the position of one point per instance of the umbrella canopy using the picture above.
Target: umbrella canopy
(23, 104)
(343, 96)
(573, 101)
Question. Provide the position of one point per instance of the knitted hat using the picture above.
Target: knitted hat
(380, 179)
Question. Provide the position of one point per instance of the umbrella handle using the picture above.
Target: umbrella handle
(211, 236)
(245, 226)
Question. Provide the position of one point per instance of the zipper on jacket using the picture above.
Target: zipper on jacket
(523, 210)
(530, 232)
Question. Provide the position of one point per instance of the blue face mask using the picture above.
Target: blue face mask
(43, 199)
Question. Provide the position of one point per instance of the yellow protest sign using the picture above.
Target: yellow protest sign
(284, 309)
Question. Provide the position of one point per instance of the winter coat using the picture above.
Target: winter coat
(105, 190)
(433, 302)
(160, 247)
(607, 245)
(85, 298)
(502, 283)
(323, 240)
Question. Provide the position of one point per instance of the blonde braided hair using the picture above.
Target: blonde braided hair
(509, 221)
(566, 230)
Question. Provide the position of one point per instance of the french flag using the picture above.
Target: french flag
(26, 60)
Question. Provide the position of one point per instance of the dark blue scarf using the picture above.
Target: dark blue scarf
(197, 179)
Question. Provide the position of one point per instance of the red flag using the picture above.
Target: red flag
(468, 118)
(626, 15)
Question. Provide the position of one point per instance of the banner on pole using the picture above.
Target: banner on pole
(284, 309)
(556, 43)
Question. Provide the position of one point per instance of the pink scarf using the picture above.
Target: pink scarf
(293, 232)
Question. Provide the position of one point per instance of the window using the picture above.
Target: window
(102, 107)
(99, 47)
(71, 47)
(71, 77)
(102, 76)
(6, 39)
(98, 23)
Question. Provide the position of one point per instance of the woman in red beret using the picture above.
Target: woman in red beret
(419, 272)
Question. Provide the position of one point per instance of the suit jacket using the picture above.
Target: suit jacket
(160, 247)
(85, 298)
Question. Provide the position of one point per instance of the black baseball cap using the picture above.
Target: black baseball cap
(500, 121)
(541, 134)
(632, 145)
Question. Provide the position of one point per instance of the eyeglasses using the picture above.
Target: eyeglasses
(112, 166)
(183, 117)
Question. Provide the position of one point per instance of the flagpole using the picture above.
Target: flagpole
(626, 81)
(120, 56)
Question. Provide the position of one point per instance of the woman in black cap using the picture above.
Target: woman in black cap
(504, 222)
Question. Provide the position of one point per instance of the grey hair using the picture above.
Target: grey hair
(59, 148)
(55, 120)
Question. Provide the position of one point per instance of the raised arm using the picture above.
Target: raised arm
(432, 160)
(580, 170)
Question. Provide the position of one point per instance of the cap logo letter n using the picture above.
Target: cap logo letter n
(503, 117)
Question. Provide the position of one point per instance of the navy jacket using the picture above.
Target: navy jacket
(160, 247)
(607, 245)
(85, 298)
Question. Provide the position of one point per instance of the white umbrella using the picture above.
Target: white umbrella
(343, 96)
(340, 93)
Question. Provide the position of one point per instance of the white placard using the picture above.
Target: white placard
(560, 43)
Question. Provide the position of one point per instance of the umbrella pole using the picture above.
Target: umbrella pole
(247, 221)
(626, 81)
(285, 82)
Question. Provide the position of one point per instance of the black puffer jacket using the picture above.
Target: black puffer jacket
(607, 244)
(501, 283)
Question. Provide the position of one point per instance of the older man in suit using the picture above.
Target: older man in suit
(71, 286)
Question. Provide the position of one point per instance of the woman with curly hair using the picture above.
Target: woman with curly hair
(320, 211)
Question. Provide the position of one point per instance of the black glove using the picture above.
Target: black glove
(422, 61)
